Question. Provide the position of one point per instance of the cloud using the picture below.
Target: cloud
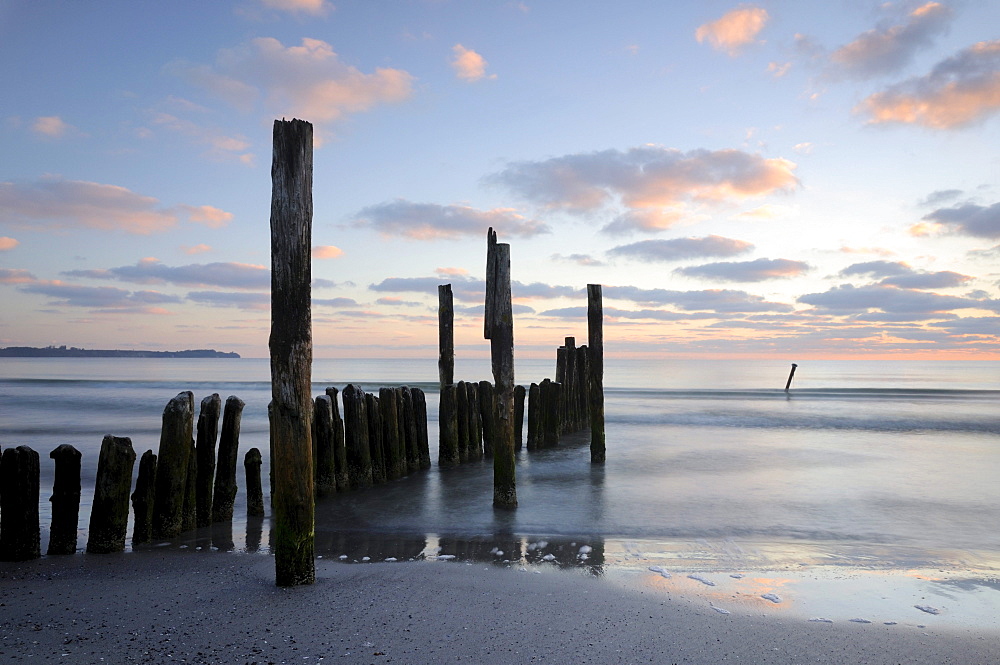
(899, 274)
(877, 269)
(327, 252)
(736, 29)
(7, 244)
(652, 182)
(448, 272)
(757, 270)
(969, 219)
(614, 313)
(717, 300)
(941, 196)
(579, 259)
(959, 91)
(469, 65)
(52, 127)
(848, 299)
(335, 302)
(152, 271)
(877, 251)
(248, 301)
(16, 276)
(678, 249)
(778, 69)
(314, 7)
(220, 145)
(430, 221)
(469, 288)
(306, 81)
(394, 301)
(889, 48)
(57, 203)
(101, 297)
(200, 248)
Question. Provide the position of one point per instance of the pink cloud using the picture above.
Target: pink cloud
(196, 249)
(210, 216)
(327, 252)
(7, 243)
(469, 65)
(735, 30)
(314, 7)
(51, 126)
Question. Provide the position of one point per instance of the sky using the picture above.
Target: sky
(781, 179)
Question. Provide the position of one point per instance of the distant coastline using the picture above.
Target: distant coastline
(73, 352)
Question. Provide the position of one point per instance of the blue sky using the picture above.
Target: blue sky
(773, 179)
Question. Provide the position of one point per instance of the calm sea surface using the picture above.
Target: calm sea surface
(892, 463)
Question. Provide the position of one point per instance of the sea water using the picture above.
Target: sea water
(892, 463)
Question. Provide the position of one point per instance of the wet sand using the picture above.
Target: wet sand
(170, 606)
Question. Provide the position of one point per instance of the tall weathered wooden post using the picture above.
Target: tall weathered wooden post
(208, 434)
(499, 329)
(224, 494)
(595, 344)
(293, 503)
(109, 514)
(172, 466)
(448, 446)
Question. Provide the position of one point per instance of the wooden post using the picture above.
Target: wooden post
(462, 420)
(189, 512)
(255, 492)
(172, 466)
(142, 500)
(448, 454)
(788, 384)
(499, 329)
(225, 472)
(519, 394)
(339, 451)
(535, 430)
(290, 344)
(475, 421)
(65, 500)
(488, 416)
(376, 447)
(359, 461)
(420, 421)
(109, 515)
(595, 344)
(208, 434)
(326, 481)
(549, 398)
(20, 533)
(395, 463)
(410, 430)
(446, 335)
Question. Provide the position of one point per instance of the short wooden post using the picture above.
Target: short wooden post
(402, 429)
(325, 482)
(788, 384)
(519, 394)
(410, 430)
(420, 422)
(65, 500)
(488, 416)
(535, 435)
(109, 515)
(20, 533)
(376, 448)
(448, 425)
(190, 510)
(172, 466)
(475, 421)
(225, 472)
(339, 450)
(359, 460)
(205, 445)
(395, 460)
(462, 420)
(255, 492)
(290, 344)
(142, 500)
(595, 345)
(549, 398)
(499, 329)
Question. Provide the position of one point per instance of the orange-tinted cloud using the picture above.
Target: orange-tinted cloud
(210, 216)
(7, 243)
(430, 221)
(735, 30)
(51, 126)
(16, 276)
(327, 252)
(314, 7)
(200, 248)
(959, 91)
(469, 65)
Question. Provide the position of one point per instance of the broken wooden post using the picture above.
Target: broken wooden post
(535, 435)
(788, 384)
(290, 344)
(109, 514)
(208, 433)
(20, 533)
(446, 335)
(462, 420)
(410, 431)
(255, 492)
(448, 454)
(359, 461)
(595, 344)
(224, 494)
(325, 481)
(475, 421)
(339, 451)
(142, 500)
(65, 500)
(488, 416)
(499, 329)
(172, 466)
(549, 398)
(395, 460)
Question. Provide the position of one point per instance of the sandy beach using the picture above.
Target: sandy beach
(170, 606)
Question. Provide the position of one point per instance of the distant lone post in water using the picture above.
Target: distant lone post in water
(499, 329)
(788, 384)
(595, 347)
(293, 503)
(65, 500)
